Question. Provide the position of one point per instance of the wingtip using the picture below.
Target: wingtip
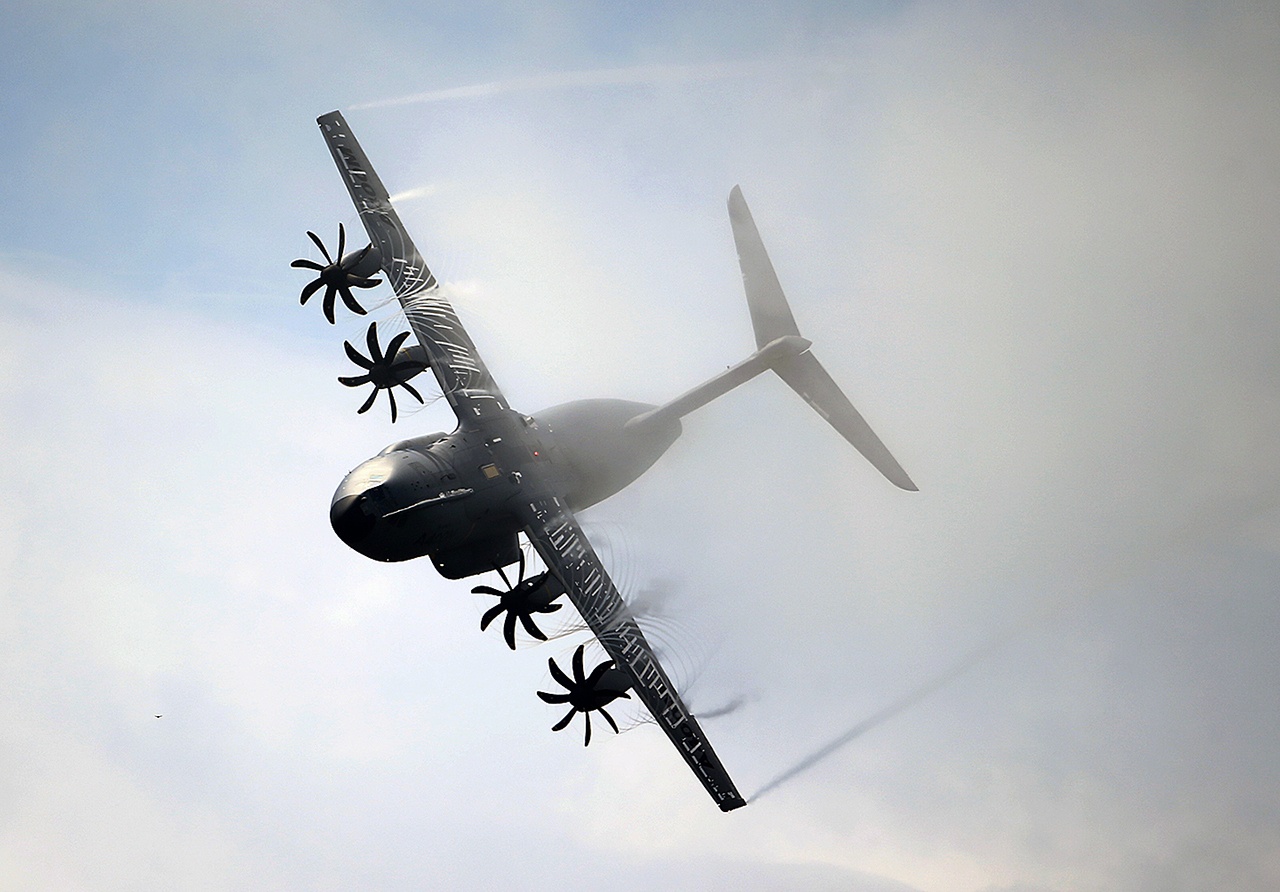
(735, 196)
(893, 472)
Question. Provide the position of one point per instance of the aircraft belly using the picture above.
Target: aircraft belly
(593, 452)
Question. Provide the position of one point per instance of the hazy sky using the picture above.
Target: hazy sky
(1039, 244)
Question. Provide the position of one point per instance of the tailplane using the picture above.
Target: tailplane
(771, 318)
(781, 348)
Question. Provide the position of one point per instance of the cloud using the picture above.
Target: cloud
(1034, 247)
(639, 75)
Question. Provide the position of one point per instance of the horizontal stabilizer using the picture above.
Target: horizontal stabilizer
(808, 378)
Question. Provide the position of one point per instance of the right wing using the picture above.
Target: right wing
(564, 548)
(464, 380)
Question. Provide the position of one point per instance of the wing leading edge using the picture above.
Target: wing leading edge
(464, 380)
(564, 548)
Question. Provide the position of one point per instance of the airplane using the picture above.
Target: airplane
(465, 498)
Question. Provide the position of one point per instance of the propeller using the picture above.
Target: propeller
(384, 372)
(587, 693)
(339, 277)
(521, 601)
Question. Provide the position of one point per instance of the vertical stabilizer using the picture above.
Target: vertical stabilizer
(770, 315)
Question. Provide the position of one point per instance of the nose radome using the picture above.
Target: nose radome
(350, 520)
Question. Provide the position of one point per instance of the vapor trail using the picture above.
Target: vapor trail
(732, 706)
(559, 80)
(1232, 514)
(905, 702)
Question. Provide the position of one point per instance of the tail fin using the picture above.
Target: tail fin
(770, 314)
(771, 318)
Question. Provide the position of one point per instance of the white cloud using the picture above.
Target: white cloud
(1036, 247)
(561, 80)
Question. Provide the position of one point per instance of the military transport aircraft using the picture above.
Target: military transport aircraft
(465, 498)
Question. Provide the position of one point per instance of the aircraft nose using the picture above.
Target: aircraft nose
(350, 520)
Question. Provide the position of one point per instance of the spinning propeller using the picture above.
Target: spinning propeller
(383, 372)
(339, 277)
(521, 601)
(593, 692)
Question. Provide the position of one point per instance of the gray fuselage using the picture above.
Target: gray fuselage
(455, 496)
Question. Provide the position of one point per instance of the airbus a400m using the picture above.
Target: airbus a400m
(464, 499)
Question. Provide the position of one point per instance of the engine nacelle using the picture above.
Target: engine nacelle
(410, 353)
(369, 265)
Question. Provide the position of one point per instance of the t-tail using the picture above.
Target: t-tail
(781, 348)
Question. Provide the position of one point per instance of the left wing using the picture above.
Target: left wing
(564, 548)
(464, 380)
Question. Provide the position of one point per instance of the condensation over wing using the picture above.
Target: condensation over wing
(463, 378)
(555, 533)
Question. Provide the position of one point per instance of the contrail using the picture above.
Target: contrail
(410, 194)
(732, 706)
(559, 80)
(879, 718)
(1230, 515)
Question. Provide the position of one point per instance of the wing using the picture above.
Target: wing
(463, 378)
(554, 532)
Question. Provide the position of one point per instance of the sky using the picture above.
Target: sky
(1038, 245)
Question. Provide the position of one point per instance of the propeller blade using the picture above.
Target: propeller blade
(553, 698)
(608, 718)
(559, 726)
(559, 675)
(577, 665)
(598, 673)
(369, 402)
(586, 738)
(394, 346)
(311, 288)
(349, 299)
(531, 628)
(522, 599)
(319, 244)
(371, 342)
(505, 580)
(337, 274)
(355, 381)
(509, 630)
(413, 390)
(329, 294)
(490, 616)
(354, 355)
(391, 395)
